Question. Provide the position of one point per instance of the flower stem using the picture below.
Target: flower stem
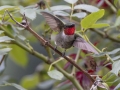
(111, 6)
(76, 59)
(72, 8)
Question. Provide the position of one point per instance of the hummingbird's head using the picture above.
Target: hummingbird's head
(69, 29)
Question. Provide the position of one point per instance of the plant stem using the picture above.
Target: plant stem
(76, 59)
(49, 53)
(72, 8)
(47, 4)
(54, 63)
(111, 6)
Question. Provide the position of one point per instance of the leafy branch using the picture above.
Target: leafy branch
(49, 45)
(42, 57)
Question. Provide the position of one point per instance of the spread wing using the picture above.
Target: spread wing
(54, 22)
(82, 44)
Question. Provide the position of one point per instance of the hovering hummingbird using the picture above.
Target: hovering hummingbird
(66, 36)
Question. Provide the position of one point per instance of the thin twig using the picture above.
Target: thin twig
(2, 59)
(104, 35)
(111, 6)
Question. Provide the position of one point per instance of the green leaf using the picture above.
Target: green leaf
(116, 67)
(115, 2)
(1, 32)
(117, 22)
(112, 77)
(109, 77)
(19, 56)
(18, 19)
(15, 85)
(4, 78)
(61, 13)
(104, 53)
(55, 74)
(5, 38)
(79, 15)
(116, 82)
(114, 51)
(116, 57)
(86, 7)
(91, 19)
(5, 51)
(46, 84)
(100, 54)
(109, 83)
(99, 25)
(118, 12)
(71, 1)
(8, 7)
(60, 7)
(21, 37)
(30, 13)
(30, 81)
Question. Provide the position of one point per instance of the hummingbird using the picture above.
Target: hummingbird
(66, 37)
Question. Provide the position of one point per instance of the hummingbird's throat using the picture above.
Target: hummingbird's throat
(69, 30)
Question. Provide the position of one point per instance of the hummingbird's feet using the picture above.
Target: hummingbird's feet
(46, 42)
(63, 54)
(54, 50)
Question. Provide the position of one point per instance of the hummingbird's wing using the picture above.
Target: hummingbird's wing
(82, 44)
(53, 21)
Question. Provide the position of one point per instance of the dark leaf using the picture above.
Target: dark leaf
(83, 80)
